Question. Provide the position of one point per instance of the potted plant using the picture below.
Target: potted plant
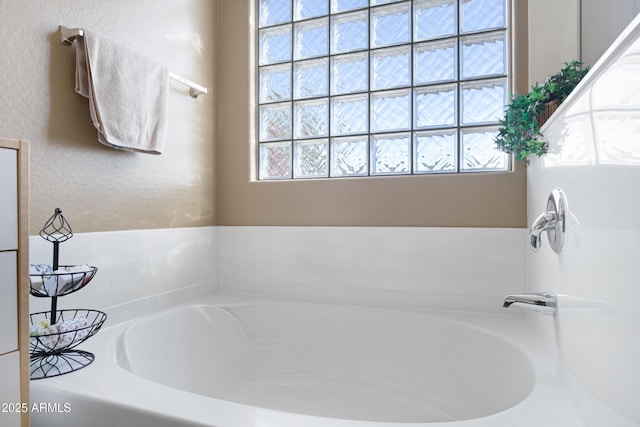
(519, 131)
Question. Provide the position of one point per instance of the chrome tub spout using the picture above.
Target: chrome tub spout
(542, 301)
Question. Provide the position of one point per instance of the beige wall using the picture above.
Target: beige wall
(492, 200)
(554, 36)
(601, 23)
(101, 189)
(577, 29)
(98, 188)
(478, 200)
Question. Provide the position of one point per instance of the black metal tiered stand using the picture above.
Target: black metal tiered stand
(53, 352)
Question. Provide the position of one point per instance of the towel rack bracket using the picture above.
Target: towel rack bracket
(195, 89)
(68, 35)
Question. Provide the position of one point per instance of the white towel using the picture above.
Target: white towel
(128, 94)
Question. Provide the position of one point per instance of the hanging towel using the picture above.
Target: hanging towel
(128, 94)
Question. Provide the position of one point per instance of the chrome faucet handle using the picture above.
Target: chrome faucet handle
(552, 221)
(544, 222)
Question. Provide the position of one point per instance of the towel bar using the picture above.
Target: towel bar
(68, 35)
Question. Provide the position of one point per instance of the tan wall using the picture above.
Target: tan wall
(477, 200)
(554, 36)
(99, 188)
(601, 23)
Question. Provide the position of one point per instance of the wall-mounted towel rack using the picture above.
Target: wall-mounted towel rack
(68, 35)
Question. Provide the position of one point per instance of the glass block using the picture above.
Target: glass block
(346, 5)
(275, 83)
(476, 15)
(311, 118)
(304, 9)
(391, 67)
(311, 38)
(275, 45)
(274, 12)
(349, 32)
(310, 78)
(435, 62)
(349, 156)
(391, 111)
(435, 106)
(391, 25)
(349, 114)
(379, 2)
(275, 160)
(391, 154)
(484, 55)
(479, 151)
(349, 73)
(483, 101)
(310, 158)
(275, 121)
(433, 19)
(435, 151)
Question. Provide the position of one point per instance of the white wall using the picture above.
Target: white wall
(138, 270)
(594, 156)
(462, 268)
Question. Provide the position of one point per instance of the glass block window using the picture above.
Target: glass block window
(352, 88)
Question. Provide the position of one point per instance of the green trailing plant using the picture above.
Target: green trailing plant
(519, 130)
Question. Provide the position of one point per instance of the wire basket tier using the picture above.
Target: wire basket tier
(53, 365)
(72, 328)
(67, 279)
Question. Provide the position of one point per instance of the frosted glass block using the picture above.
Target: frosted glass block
(435, 151)
(311, 78)
(479, 151)
(275, 160)
(275, 45)
(346, 5)
(275, 121)
(391, 154)
(391, 111)
(274, 12)
(311, 38)
(433, 19)
(349, 114)
(391, 25)
(349, 156)
(391, 68)
(349, 73)
(349, 32)
(310, 159)
(379, 2)
(435, 106)
(275, 83)
(304, 9)
(476, 15)
(483, 101)
(311, 118)
(435, 62)
(484, 55)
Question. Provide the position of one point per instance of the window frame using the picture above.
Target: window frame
(413, 130)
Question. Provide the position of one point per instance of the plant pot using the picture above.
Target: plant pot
(549, 108)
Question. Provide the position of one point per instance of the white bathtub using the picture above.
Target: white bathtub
(251, 362)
